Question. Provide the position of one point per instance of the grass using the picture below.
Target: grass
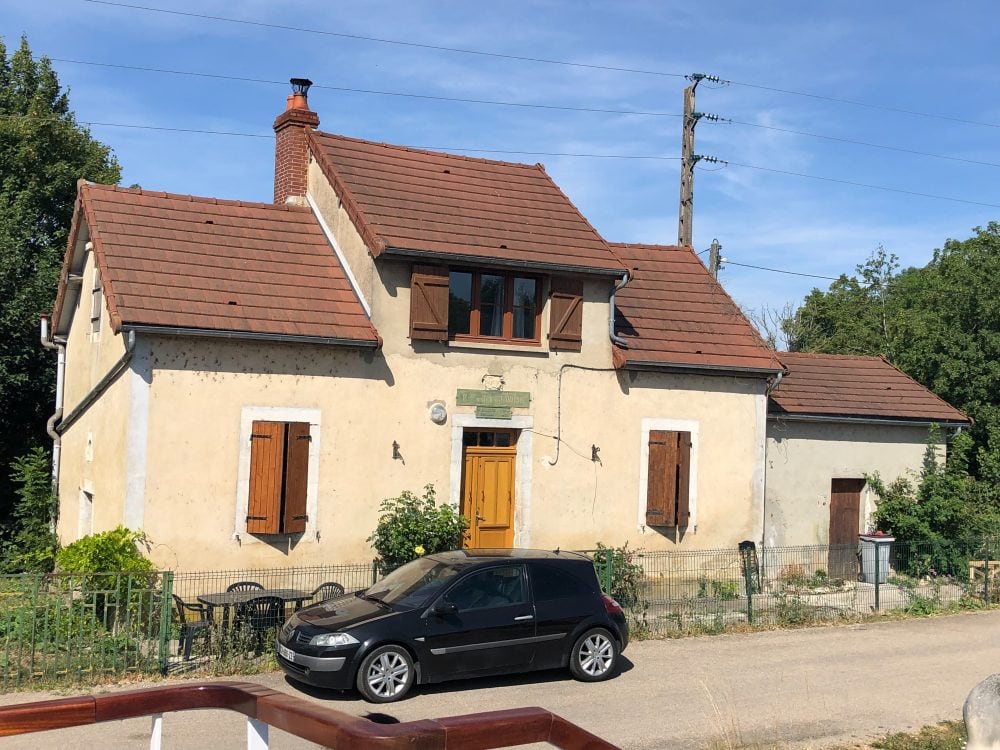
(948, 735)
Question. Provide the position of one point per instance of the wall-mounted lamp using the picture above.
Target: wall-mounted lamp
(595, 454)
(396, 455)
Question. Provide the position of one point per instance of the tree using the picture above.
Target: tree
(940, 324)
(43, 152)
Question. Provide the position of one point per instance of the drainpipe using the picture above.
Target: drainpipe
(103, 383)
(50, 426)
(763, 504)
(615, 338)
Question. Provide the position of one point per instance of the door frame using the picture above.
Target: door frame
(522, 467)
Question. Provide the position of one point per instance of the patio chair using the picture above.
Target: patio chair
(259, 617)
(245, 586)
(328, 590)
(190, 628)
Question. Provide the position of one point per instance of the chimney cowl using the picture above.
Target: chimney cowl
(299, 98)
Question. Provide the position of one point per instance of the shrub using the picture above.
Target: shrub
(626, 575)
(410, 526)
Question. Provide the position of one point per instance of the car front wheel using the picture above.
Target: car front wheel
(594, 656)
(386, 674)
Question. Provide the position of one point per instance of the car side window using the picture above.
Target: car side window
(550, 583)
(493, 587)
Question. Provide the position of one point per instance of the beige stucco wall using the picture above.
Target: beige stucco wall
(803, 458)
(200, 390)
(93, 451)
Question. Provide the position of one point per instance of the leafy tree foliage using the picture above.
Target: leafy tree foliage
(34, 544)
(940, 324)
(412, 525)
(43, 152)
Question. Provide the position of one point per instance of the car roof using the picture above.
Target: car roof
(486, 555)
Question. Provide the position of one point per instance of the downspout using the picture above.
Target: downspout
(50, 426)
(102, 385)
(763, 503)
(615, 338)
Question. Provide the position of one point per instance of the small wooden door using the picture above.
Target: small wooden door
(488, 487)
(845, 523)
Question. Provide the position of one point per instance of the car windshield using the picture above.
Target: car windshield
(413, 584)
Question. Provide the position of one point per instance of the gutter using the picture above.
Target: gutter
(50, 425)
(457, 258)
(777, 416)
(696, 369)
(272, 337)
(116, 369)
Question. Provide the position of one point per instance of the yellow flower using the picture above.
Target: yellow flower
(419, 549)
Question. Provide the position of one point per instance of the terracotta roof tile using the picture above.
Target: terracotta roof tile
(425, 201)
(855, 386)
(673, 313)
(203, 263)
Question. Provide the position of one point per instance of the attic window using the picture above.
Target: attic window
(96, 302)
(489, 306)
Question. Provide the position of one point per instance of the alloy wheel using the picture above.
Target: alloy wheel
(596, 654)
(388, 674)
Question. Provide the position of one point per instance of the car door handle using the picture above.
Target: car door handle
(524, 617)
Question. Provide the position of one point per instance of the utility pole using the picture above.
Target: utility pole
(714, 258)
(685, 213)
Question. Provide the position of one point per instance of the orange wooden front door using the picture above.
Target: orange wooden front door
(488, 487)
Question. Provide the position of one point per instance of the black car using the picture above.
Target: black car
(465, 613)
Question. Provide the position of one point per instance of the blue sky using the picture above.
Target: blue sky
(922, 56)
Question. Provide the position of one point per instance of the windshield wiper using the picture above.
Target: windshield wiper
(373, 598)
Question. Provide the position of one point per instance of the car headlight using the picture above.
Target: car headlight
(333, 639)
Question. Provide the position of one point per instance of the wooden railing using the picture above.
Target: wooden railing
(265, 708)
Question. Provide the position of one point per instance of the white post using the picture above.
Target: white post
(257, 735)
(156, 732)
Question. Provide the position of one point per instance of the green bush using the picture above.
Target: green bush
(626, 574)
(410, 526)
(99, 562)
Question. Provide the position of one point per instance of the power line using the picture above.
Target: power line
(864, 185)
(347, 89)
(524, 105)
(547, 61)
(462, 149)
(780, 270)
(380, 40)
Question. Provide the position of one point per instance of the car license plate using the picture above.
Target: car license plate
(286, 652)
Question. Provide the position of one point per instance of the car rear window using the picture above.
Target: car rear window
(550, 582)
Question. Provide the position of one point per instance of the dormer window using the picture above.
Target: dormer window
(493, 305)
(459, 304)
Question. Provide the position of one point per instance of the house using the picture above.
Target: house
(246, 381)
(832, 421)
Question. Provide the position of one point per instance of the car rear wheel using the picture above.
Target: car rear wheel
(594, 656)
(386, 674)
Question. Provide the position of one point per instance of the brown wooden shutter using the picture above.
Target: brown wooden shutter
(668, 479)
(296, 477)
(661, 479)
(267, 452)
(429, 303)
(566, 315)
(683, 478)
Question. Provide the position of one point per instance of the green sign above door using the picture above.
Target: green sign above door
(494, 412)
(509, 399)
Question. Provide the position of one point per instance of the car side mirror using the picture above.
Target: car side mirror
(442, 609)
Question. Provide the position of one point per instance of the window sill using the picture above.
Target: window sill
(527, 348)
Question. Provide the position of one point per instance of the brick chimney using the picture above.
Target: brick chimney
(291, 154)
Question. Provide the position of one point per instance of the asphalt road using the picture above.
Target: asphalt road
(800, 688)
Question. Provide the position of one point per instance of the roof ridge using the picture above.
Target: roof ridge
(193, 198)
(413, 149)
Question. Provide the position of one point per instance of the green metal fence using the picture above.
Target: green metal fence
(86, 629)
(714, 590)
(79, 628)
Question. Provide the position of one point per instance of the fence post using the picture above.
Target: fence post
(878, 574)
(748, 581)
(986, 574)
(374, 572)
(166, 603)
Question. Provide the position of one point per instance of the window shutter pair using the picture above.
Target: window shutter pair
(566, 315)
(668, 478)
(429, 303)
(279, 468)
